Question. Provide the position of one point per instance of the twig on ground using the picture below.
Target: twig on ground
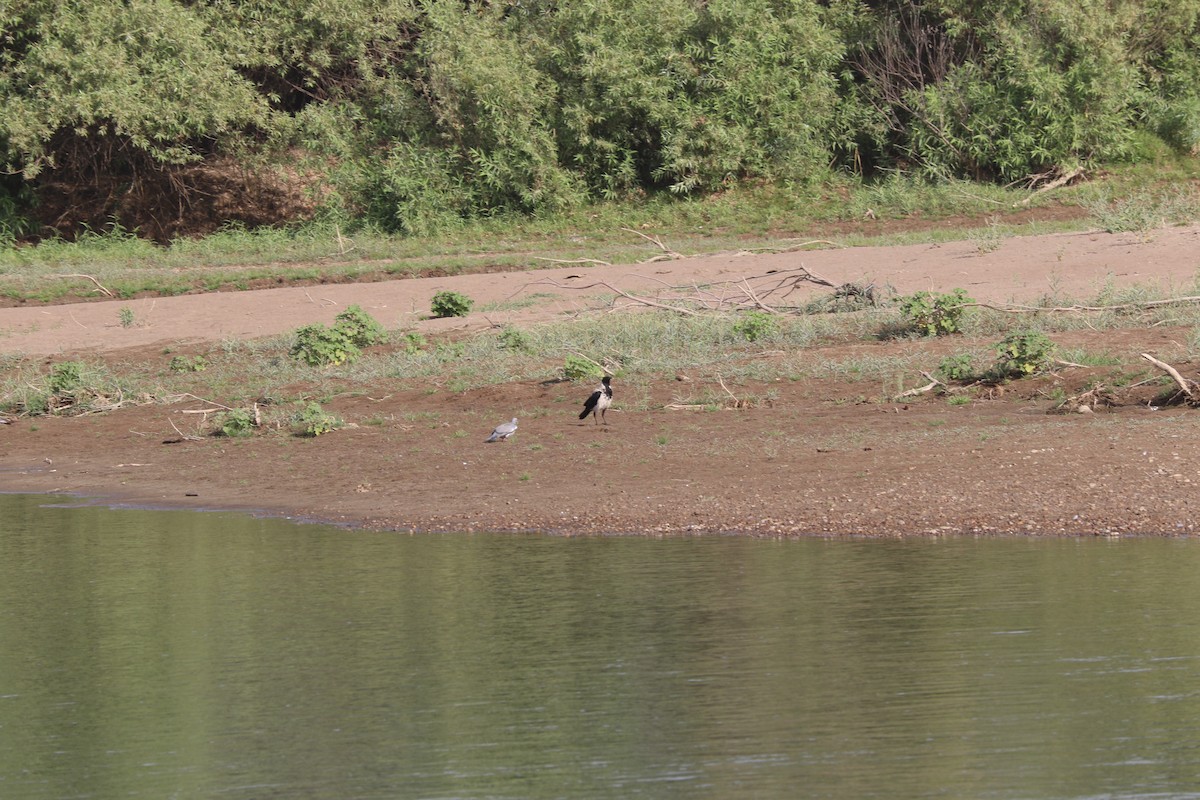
(203, 400)
(573, 261)
(668, 253)
(182, 435)
(933, 383)
(99, 286)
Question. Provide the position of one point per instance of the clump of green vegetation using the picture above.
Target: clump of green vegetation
(236, 423)
(577, 368)
(935, 314)
(412, 341)
(361, 328)
(958, 367)
(314, 421)
(755, 325)
(451, 304)
(195, 363)
(66, 378)
(353, 329)
(1024, 353)
(513, 338)
(70, 387)
(319, 346)
(125, 315)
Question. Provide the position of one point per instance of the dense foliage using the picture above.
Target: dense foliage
(177, 116)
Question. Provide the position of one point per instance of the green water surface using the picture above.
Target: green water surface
(149, 654)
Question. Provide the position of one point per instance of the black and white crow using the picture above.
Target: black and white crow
(599, 401)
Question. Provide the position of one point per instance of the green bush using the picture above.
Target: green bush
(959, 367)
(576, 368)
(412, 342)
(319, 346)
(66, 378)
(512, 338)
(314, 421)
(451, 304)
(934, 314)
(237, 422)
(361, 328)
(185, 364)
(755, 325)
(1024, 353)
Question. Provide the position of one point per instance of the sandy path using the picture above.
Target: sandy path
(1072, 266)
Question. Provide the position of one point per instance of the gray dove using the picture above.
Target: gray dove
(503, 431)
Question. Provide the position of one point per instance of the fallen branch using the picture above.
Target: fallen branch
(1061, 180)
(933, 383)
(202, 400)
(655, 240)
(99, 286)
(1022, 309)
(182, 435)
(573, 261)
(1188, 387)
(626, 295)
(1086, 403)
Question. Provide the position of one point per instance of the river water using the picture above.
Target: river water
(149, 654)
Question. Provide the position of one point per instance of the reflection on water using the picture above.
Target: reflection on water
(155, 654)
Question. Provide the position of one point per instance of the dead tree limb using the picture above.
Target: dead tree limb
(573, 261)
(1061, 180)
(933, 383)
(99, 286)
(1189, 387)
(668, 252)
(1022, 309)
(642, 300)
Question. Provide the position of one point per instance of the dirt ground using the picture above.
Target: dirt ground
(820, 458)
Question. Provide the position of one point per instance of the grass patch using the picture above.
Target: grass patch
(643, 348)
(745, 217)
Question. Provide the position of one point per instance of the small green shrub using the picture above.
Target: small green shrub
(314, 421)
(185, 364)
(412, 342)
(576, 368)
(935, 314)
(126, 317)
(515, 339)
(66, 378)
(1024, 353)
(755, 325)
(958, 367)
(451, 304)
(319, 346)
(362, 329)
(449, 351)
(237, 422)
